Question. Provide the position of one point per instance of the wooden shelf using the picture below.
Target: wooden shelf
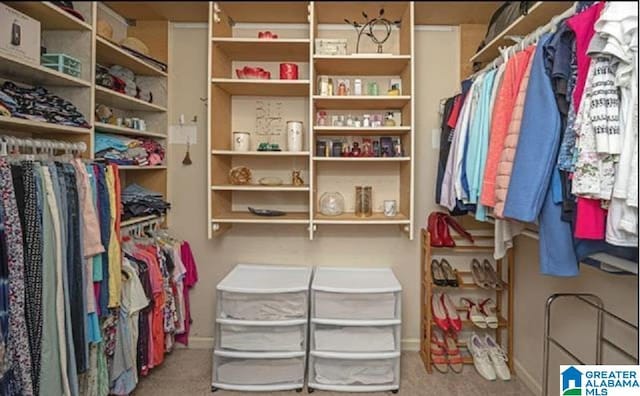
(362, 159)
(262, 153)
(539, 14)
(249, 218)
(120, 101)
(349, 131)
(361, 102)
(502, 322)
(138, 220)
(33, 74)
(141, 168)
(263, 87)
(258, 187)
(175, 11)
(108, 54)
(351, 218)
(19, 125)
(359, 65)
(266, 12)
(120, 130)
(462, 277)
(253, 49)
(50, 16)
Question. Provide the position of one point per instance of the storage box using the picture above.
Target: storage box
(331, 46)
(259, 371)
(20, 35)
(62, 63)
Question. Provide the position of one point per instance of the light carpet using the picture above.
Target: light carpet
(187, 372)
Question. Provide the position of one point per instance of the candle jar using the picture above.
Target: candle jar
(364, 207)
(372, 89)
(321, 119)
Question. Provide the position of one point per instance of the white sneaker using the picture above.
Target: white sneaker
(481, 360)
(498, 358)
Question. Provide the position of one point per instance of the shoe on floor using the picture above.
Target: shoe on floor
(498, 358)
(481, 361)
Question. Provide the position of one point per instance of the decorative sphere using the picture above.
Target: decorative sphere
(331, 204)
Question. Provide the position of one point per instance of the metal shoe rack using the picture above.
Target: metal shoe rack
(483, 245)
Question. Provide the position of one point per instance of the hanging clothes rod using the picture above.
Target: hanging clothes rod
(142, 223)
(41, 144)
(508, 52)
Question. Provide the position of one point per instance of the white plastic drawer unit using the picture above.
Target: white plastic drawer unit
(264, 292)
(358, 336)
(257, 336)
(359, 372)
(259, 371)
(355, 294)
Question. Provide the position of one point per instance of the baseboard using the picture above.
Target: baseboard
(409, 344)
(526, 378)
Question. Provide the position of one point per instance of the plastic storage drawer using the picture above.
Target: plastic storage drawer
(365, 306)
(270, 306)
(332, 373)
(278, 373)
(262, 336)
(337, 338)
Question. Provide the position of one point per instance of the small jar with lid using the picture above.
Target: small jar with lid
(366, 121)
(349, 121)
(321, 119)
(357, 123)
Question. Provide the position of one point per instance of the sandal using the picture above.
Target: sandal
(449, 273)
(453, 354)
(473, 313)
(438, 354)
(438, 274)
(488, 308)
(478, 274)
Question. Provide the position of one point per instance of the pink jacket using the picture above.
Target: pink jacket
(500, 120)
(505, 164)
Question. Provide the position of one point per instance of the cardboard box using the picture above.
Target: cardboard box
(19, 36)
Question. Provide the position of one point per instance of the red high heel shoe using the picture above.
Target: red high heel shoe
(434, 229)
(455, 323)
(445, 235)
(439, 312)
(457, 227)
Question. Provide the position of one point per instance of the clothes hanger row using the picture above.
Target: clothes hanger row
(507, 52)
(139, 229)
(12, 144)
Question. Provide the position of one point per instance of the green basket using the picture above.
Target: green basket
(62, 63)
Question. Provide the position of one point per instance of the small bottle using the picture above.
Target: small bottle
(349, 121)
(330, 87)
(372, 89)
(342, 89)
(322, 118)
(357, 86)
(340, 120)
(366, 121)
(357, 123)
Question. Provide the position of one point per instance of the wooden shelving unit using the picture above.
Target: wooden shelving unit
(120, 130)
(29, 73)
(60, 32)
(254, 49)
(51, 17)
(483, 245)
(119, 100)
(247, 87)
(38, 127)
(108, 54)
(232, 47)
(153, 30)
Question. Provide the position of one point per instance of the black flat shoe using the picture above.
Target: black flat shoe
(437, 274)
(449, 273)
